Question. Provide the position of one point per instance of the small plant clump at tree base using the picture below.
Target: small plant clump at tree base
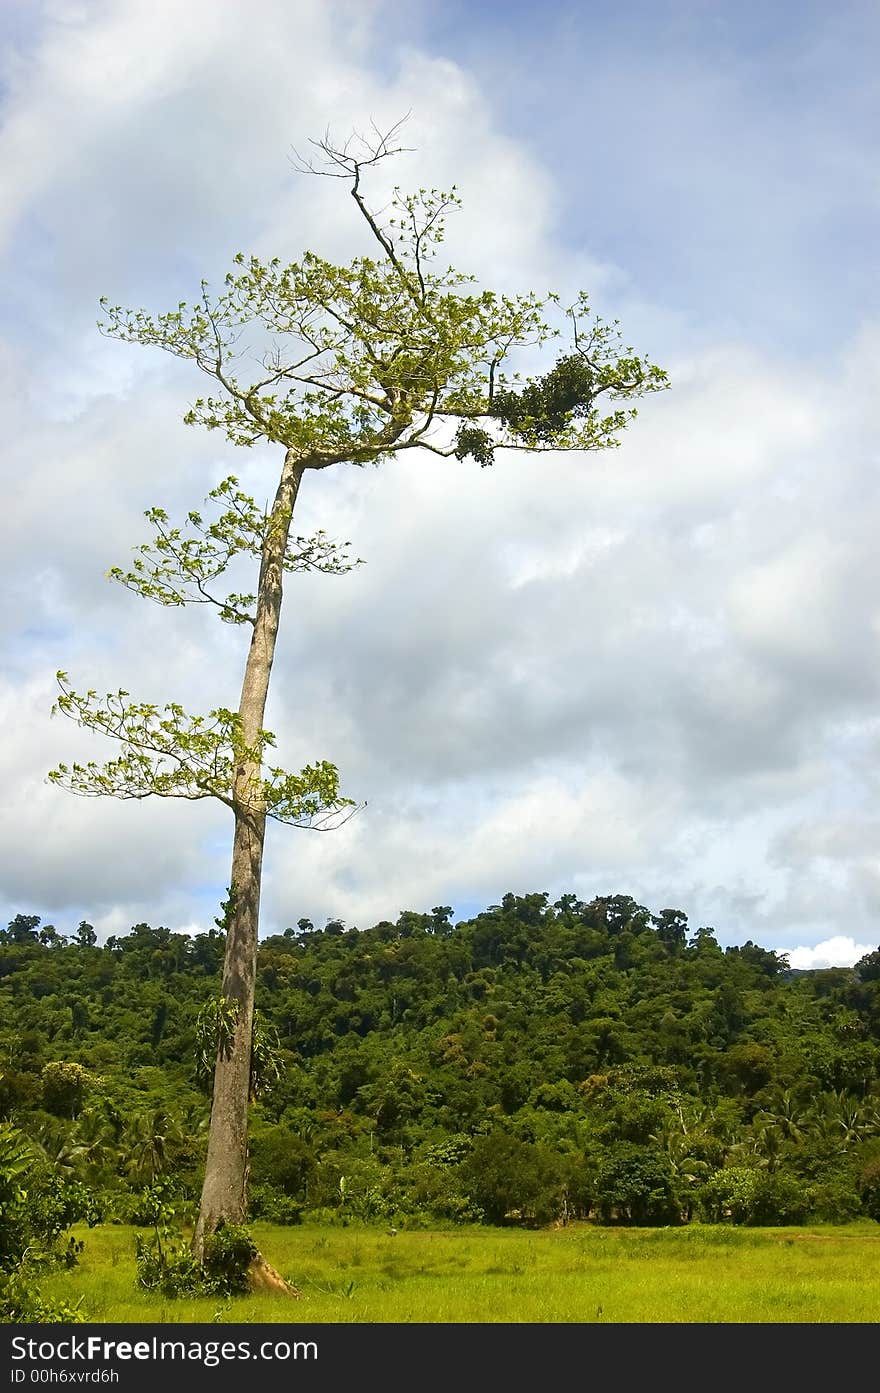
(363, 362)
(228, 1266)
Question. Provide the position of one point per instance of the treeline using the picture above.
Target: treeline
(536, 1063)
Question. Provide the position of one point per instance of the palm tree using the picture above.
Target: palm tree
(151, 1142)
(62, 1152)
(681, 1147)
(845, 1119)
(787, 1117)
(95, 1143)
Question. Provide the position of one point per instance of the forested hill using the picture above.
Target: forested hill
(535, 1062)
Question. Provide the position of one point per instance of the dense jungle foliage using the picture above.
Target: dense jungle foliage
(536, 1063)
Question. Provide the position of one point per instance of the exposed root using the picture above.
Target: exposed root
(262, 1276)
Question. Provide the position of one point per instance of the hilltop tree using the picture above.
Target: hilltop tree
(23, 929)
(85, 935)
(358, 363)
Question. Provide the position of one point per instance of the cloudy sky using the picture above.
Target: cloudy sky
(651, 672)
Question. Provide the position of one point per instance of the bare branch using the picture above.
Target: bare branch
(328, 821)
(346, 163)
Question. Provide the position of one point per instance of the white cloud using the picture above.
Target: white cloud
(839, 951)
(641, 672)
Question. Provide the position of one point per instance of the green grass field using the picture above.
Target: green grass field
(580, 1274)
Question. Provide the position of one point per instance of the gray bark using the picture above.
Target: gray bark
(224, 1193)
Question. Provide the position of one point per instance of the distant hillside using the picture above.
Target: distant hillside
(535, 1062)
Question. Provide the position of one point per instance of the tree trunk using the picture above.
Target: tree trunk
(224, 1190)
(224, 1193)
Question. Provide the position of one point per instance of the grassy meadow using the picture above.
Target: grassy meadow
(577, 1274)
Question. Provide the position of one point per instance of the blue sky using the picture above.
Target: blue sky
(654, 674)
(725, 152)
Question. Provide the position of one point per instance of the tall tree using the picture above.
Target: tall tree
(361, 362)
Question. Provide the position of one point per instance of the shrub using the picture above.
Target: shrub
(36, 1208)
(504, 1176)
(267, 1202)
(21, 1303)
(358, 1187)
(436, 1192)
(634, 1185)
(779, 1199)
(146, 1207)
(280, 1159)
(869, 1188)
(229, 1252)
(746, 1195)
(728, 1195)
(16, 1159)
(54, 1204)
(834, 1201)
(166, 1264)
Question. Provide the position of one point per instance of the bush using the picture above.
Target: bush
(280, 1159)
(746, 1195)
(834, 1201)
(504, 1176)
(21, 1303)
(869, 1188)
(728, 1195)
(779, 1199)
(166, 1264)
(266, 1202)
(229, 1252)
(36, 1208)
(358, 1187)
(633, 1185)
(145, 1208)
(16, 1160)
(435, 1192)
(54, 1204)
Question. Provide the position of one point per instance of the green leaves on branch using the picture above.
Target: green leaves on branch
(180, 566)
(16, 1163)
(169, 754)
(474, 441)
(389, 353)
(558, 411)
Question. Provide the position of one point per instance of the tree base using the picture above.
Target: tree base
(262, 1276)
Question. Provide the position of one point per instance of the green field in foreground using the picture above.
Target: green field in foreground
(580, 1273)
